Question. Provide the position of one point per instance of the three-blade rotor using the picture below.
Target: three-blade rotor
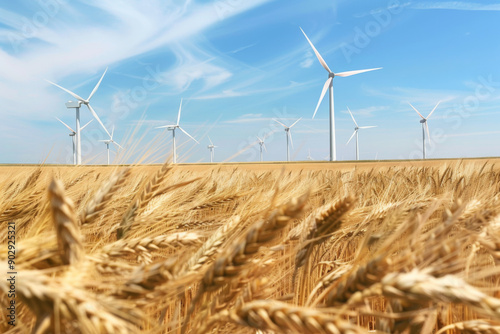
(177, 126)
(356, 129)
(87, 101)
(331, 74)
(424, 119)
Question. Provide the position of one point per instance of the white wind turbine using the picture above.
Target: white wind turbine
(262, 146)
(77, 108)
(288, 137)
(309, 157)
(356, 129)
(211, 147)
(425, 126)
(109, 141)
(329, 85)
(72, 135)
(172, 128)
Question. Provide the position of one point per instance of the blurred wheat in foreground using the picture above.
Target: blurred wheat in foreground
(163, 250)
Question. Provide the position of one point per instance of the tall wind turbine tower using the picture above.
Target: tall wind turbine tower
(329, 86)
(72, 135)
(288, 137)
(211, 147)
(172, 128)
(356, 129)
(109, 141)
(76, 105)
(425, 126)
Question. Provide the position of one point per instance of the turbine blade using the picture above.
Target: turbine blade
(179, 114)
(188, 134)
(66, 125)
(290, 135)
(260, 140)
(295, 122)
(117, 144)
(97, 118)
(349, 73)
(83, 127)
(416, 110)
(321, 60)
(67, 91)
(280, 123)
(97, 86)
(112, 132)
(323, 92)
(265, 148)
(210, 141)
(165, 126)
(352, 117)
(351, 136)
(433, 109)
(368, 127)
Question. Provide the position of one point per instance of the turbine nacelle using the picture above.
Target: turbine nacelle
(423, 120)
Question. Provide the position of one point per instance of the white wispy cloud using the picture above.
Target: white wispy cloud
(308, 61)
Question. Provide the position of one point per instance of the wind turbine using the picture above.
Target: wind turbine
(329, 86)
(309, 155)
(72, 135)
(109, 141)
(211, 147)
(262, 146)
(172, 128)
(77, 105)
(288, 137)
(425, 126)
(356, 129)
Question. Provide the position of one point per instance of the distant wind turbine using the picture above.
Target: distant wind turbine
(72, 135)
(288, 137)
(109, 141)
(425, 126)
(356, 129)
(329, 85)
(172, 128)
(262, 146)
(309, 155)
(77, 108)
(211, 147)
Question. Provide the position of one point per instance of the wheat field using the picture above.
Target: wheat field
(404, 249)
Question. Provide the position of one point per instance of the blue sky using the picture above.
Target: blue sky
(238, 64)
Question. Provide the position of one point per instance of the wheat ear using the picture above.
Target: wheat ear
(147, 193)
(420, 286)
(68, 233)
(103, 196)
(143, 246)
(279, 317)
(326, 222)
(229, 264)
